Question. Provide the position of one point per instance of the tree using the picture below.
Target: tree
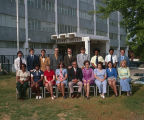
(133, 20)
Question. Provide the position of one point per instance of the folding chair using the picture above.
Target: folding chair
(33, 93)
(92, 90)
(66, 91)
(47, 92)
(75, 90)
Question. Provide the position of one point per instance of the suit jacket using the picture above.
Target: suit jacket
(68, 61)
(54, 62)
(31, 62)
(81, 58)
(72, 75)
(125, 58)
(44, 63)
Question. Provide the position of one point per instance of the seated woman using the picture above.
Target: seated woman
(37, 81)
(61, 78)
(111, 77)
(22, 77)
(100, 79)
(88, 77)
(124, 75)
(49, 77)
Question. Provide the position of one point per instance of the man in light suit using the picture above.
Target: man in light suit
(32, 60)
(55, 59)
(69, 58)
(123, 57)
(81, 58)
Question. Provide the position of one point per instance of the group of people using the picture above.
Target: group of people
(72, 70)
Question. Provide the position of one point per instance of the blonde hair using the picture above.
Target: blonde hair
(123, 61)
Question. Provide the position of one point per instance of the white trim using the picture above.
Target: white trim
(94, 2)
(78, 21)
(56, 18)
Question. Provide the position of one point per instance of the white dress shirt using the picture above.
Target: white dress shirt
(108, 58)
(17, 63)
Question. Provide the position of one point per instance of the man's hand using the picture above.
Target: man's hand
(69, 67)
(75, 80)
(22, 82)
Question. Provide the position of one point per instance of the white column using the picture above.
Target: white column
(118, 50)
(87, 44)
(108, 27)
(107, 46)
(126, 50)
(56, 18)
(94, 2)
(17, 22)
(78, 22)
(26, 46)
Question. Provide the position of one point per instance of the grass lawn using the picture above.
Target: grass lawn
(111, 108)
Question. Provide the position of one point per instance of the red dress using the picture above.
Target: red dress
(49, 76)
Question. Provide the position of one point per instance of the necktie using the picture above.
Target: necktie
(111, 59)
(96, 60)
(20, 63)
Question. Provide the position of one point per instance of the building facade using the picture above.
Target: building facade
(57, 17)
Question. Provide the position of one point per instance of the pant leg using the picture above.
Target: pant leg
(104, 86)
(98, 83)
(71, 87)
(25, 86)
(125, 85)
(80, 86)
(19, 88)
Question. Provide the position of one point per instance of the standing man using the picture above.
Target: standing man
(44, 61)
(123, 57)
(75, 78)
(81, 58)
(97, 58)
(19, 61)
(55, 59)
(32, 60)
(111, 57)
(68, 59)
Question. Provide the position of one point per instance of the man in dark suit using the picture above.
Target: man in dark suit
(69, 58)
(32, 60)
(123, 57)
(75, 78)
(55, 59)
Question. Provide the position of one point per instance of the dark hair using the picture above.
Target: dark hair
(100, 63)
(31, 49)
(19, 52)
(111, 49)
(97, 50)
(37, 65)
(82, 48)
(122, 49)
(43, 50)
(86, 61)
(74, 61)
(23, 65)
(60, 64)
(109, 63)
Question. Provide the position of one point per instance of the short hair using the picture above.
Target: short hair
(97, 50)
(122, 49)
(82, 48)
(23, 65)
(43, 50)
(69, 49)
(31, 49)
(100, 63)
(123, 61)
(19, 52)
(37, 65)
(86, 61)
(60, 64)
(111, 49)
(74, 61)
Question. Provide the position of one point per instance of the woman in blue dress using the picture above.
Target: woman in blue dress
(100, 79)
(111, 77)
